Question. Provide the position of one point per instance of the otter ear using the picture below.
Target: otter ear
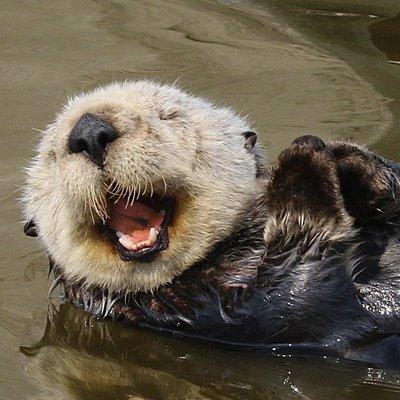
(30, 228)
(250, 139)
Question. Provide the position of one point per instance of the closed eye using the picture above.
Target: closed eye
(168, 115)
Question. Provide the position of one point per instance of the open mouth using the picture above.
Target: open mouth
(139, 230)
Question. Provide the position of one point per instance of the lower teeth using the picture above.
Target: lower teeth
(129, 244)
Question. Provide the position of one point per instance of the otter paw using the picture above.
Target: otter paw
(305, 178)
(309, 140)
(303, 195)
(369, 184)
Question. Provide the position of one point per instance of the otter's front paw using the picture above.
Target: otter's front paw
(305, 179)
(304, 196)
(369, 184)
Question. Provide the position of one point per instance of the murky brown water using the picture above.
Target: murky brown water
(331, 68)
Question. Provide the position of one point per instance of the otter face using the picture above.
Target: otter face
(135, 182)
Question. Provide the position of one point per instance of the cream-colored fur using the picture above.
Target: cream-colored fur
(169, 142)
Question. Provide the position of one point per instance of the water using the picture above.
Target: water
(331, 68)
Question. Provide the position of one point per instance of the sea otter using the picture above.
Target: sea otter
(156, 208)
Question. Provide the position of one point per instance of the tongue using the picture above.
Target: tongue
(134, 223)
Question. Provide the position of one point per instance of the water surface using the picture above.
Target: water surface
(331, 68)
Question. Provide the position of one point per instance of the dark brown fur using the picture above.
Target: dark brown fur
(330, 211)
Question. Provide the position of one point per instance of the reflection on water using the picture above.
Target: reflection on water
(103, 360)
(293, 66)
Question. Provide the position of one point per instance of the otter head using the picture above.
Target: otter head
(135, 182)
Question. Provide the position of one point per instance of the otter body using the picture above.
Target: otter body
(178, 226)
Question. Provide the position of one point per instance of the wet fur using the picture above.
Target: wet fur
(169, 143)
(318, 277)
(306, 254)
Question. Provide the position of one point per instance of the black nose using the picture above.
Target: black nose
(91, 135)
